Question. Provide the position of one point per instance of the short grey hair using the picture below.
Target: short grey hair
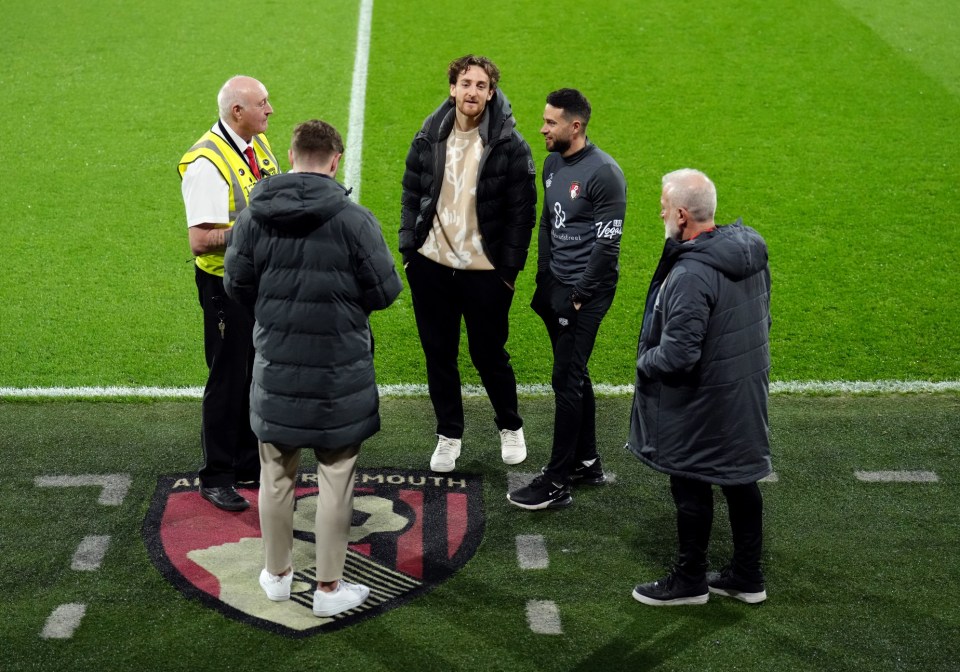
(692, 190)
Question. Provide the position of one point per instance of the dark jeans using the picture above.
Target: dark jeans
(572, 335)
(443, 298)
(694, 501)
(230, 450)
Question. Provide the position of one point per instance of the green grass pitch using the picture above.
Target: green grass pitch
(859, 574)
(830, 126)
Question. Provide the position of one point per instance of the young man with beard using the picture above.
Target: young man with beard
(468, 211)
(700, 405)
(584, 205)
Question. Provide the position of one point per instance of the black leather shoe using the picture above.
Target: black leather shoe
(225, 497)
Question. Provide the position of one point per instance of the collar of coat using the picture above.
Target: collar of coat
(497, 122)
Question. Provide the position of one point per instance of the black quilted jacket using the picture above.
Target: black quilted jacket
(506, 185)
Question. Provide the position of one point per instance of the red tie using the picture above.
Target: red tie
(252, 160)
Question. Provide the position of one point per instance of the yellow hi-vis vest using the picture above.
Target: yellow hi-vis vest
(236, 172)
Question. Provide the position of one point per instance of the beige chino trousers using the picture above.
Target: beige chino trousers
(335, 474)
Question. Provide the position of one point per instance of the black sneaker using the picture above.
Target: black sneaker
(671, 591)
(542, 493)
(588, 474)
(725, 582)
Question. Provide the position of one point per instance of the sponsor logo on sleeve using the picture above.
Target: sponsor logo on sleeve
(611, 229)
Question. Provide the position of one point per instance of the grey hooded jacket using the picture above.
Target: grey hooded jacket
(312, 265)
(703, 362)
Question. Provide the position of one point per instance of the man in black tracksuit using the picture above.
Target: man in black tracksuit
(468, 211)
(585, 200)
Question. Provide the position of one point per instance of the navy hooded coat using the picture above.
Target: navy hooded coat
(703, 362)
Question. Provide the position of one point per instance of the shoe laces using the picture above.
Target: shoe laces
(446, 447)
(509, 438)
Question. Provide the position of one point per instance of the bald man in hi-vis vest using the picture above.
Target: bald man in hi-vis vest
(218, 172)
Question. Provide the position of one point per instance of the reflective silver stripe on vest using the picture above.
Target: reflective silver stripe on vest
(239, 196)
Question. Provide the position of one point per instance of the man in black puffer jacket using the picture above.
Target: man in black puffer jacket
(700, 406)
(468, 211)
(312, 265)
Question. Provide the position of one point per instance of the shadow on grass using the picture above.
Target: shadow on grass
(639, 647)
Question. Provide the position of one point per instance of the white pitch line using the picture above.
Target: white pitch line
(532, 551)
(533, 390)
(89, 554)
(544, 617)
(353, 152)
(772, 477)
(115, 486)
(64, 621)
(897, 476)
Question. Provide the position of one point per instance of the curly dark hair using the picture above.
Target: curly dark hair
(462, 64)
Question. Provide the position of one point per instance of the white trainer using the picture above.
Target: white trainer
(276, 587)
(513, 449)
(347, 596)
(445, 455)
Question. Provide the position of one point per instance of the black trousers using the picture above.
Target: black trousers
(443, 298)
(572, 335)
(230, 449)
(694, 502)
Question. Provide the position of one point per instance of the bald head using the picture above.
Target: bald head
(244, 105)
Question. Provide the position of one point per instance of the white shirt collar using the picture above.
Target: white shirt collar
(241, 143)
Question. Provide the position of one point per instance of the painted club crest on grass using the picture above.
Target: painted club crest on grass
(411, 531)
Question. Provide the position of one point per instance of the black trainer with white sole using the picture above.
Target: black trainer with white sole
(588, 474)
(728, 584)
(542, 493)
(671, 591)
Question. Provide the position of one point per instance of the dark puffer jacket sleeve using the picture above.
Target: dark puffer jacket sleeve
(239, 279)
(521, 215)
(415, 193)
(376, 273)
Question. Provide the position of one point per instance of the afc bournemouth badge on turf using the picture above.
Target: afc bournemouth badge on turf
(574, 190)
(411, 531)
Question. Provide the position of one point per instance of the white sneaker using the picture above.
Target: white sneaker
(445, 456)
(513, 449)
(277, 588)
(345, 597)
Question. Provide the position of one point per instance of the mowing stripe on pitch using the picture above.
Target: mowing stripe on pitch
(897, 476)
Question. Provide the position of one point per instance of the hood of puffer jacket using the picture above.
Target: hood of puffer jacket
(297, 202)
(497, 120)
(735, 250)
